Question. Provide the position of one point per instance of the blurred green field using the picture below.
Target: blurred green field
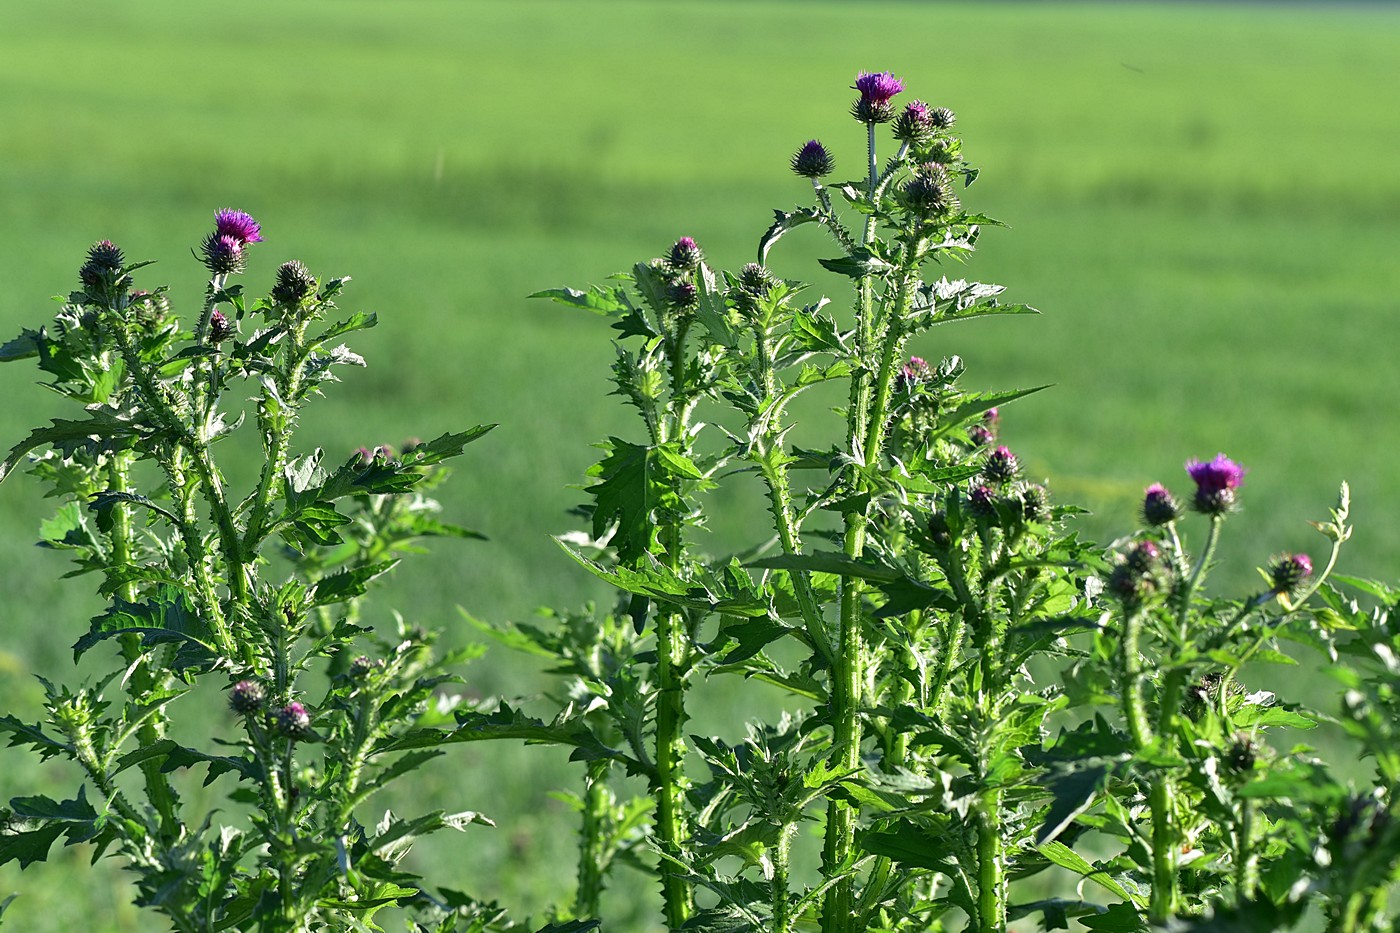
(1204, 199)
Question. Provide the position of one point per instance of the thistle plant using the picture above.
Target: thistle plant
(251, 593)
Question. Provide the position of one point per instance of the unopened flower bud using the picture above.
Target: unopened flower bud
(149, 310)
(980, 436)
(941, 151)
(911, 374)
(930, 192)
(220, 328)
(1158, 506)
(813, 160)
(1035, 504)
(942, 118)
(360, 668)
(683, 294)
(293, 721)
(913, 124)
(981, 502)
(1289, 572)
(102, 268)
(222, 254)
(294, 284)
(1144, 557)
(685, 254)
(1001, 466)
(246, 696)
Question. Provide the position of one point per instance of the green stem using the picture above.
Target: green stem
(782, 897)
(1165, 897)
(276, 439)
(1245, 865)
(591, 841)
(1130, 673)
(991, 867)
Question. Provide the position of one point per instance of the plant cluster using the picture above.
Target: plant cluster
(976, 704)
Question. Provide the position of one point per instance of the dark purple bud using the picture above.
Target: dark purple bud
(990, 417)
(913, 372)
(685, 254)
(981, 502)
(1145, 557)
(1158, 506)
(756, 281)
(914, 125)
(361, 667)
(1216, 483)
(1289, 572)
(238, 225)
(246, 696)
(812, 160)
(220, 328)
(683, 294)
(294, 284)
(365, 454)
(979, 436)
(1001, 466)
(222, 254)
(293, 721)
(102, 268)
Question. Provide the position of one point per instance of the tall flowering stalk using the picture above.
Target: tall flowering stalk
(185, 564)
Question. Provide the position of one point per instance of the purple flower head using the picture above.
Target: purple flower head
(914, 125)
(991, 416)
(246, 696)
(294, 721)
(685, 254)
(683, 295)
(980, 436)
(237, 224)
(1144, 557)
(877, 87)
(1288, 572)
(222, 254)
(813, 160)
(982, 502)
(220, 328)
(916, 368)
(1158, 505)
(1216, 483)
(1001, 466)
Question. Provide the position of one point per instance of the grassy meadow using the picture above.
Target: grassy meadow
(1203, 199)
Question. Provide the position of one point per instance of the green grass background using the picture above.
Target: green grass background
(1204, 200)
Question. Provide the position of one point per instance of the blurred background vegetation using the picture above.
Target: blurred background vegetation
(1203, 199)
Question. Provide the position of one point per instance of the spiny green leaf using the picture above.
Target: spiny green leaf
(68, 436)
(599, 300)
(782, 223)
(1065, 857)
(348, 584)
(166, 618)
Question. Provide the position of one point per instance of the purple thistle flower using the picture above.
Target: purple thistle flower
(222, 254)
(991, 416)
(913, 372)
(1216, 483)
(237, 224)
(981, 502)
(813, 160)
(246, 697)
(685, 254)
(1288, 572)
(980, 436)
(1001, 466)
(683, 295)
(877, 87)
(220, 329)
(294, 721)
(914, 124)
(1158, 505)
